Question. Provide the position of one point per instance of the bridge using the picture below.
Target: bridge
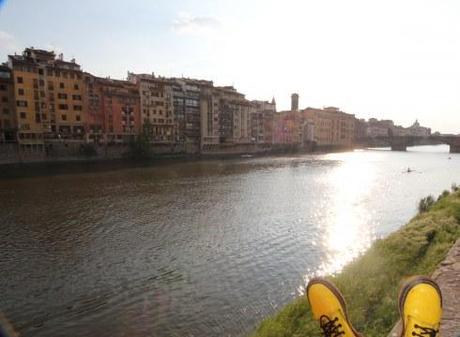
(400, 143)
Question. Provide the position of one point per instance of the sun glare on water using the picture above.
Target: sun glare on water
(347, 227)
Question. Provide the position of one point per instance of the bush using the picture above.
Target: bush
(444, 194)
(425, 204)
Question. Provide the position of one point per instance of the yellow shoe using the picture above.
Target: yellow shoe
(420, 307)
(328, 307)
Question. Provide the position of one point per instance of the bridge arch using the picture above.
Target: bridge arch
(400, 143)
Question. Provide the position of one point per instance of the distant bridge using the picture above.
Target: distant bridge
(400, 143)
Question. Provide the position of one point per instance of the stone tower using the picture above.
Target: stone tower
(295, 102)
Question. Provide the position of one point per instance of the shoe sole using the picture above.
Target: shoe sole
(405, 291)
(337, 294)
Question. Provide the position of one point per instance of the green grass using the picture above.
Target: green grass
(370, 284)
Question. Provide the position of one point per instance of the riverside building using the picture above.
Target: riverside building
(48, 94)
(262, 121)
(187, 96)
(156, 106)
(332, 127)
(119, 108)
(8, 121)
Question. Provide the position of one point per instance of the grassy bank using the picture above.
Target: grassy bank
(370, 284)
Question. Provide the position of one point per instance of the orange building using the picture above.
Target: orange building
(113, 110)
(94, 113)
(287, 127)
(8, 122)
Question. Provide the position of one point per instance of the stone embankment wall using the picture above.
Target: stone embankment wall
(77, 151)
(74, 151)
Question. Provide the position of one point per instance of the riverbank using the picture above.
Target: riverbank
(59, 152)
(370, 284)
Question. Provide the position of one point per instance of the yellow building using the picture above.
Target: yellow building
(48, 93)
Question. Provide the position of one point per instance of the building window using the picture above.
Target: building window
(77, 107)
(63, 107)
(37, 118)
(42, 83)
(21, 92)
(77, 118)
(6, 111)
(62, 96)
(50, 85)
(21, 103)
(5, 99)
(61, 85)
(75, 86)
(64, 117)
(22, 115)
(20, 80)
(40, 71)
(2, 87)
(76, 97)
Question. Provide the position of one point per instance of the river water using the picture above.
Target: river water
(206, 248)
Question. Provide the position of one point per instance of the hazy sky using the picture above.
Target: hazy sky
(392, 59)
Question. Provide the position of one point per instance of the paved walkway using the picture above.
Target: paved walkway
(448, 277)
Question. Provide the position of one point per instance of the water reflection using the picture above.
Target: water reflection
(199, 248)
(348, 229)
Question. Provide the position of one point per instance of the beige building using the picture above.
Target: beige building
(332, 127)
(262, 115)
(156, 104)
(225, 117)
(48, 96)
(209, 114)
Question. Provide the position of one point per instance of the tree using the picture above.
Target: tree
(140, 147)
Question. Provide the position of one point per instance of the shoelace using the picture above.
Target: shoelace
(331, 327)
(424, 331)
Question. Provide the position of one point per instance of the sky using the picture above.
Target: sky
(392, 59)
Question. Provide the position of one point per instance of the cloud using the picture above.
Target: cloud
(8, 42)
(194, 25)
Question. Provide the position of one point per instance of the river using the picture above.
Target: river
(199, 248)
